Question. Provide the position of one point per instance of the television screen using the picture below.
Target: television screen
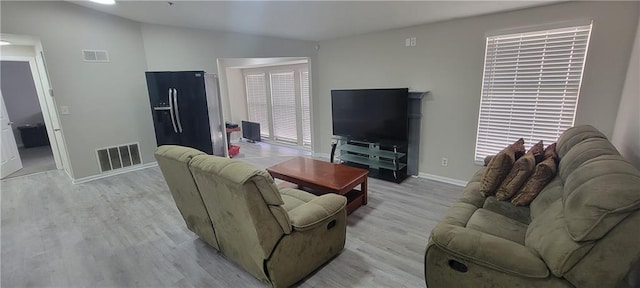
(371, 114)
(251, 131)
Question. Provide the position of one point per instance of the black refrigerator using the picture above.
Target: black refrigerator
(187, 110)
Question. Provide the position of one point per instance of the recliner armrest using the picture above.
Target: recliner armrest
(316, 211)
(488, 250)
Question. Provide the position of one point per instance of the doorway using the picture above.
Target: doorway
(26, 119)
(272, 93)
(18, 51)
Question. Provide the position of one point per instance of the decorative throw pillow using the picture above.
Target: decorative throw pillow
(538, 151)
(519, 148)
(542, 175)
(550, 151)
(519, 174)
(497, 170)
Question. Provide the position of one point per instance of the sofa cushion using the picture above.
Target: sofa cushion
(294, 197)
(575, 135)
(471, 193)
(505, 208)
(239, 173)
(548, 236)
(550, 193)
(542, 175)
(582, 152)
(459, 214)
(317, 211)
(497, 170)
(490, 251)
(497, 225)
(518, 175)
(598, 195)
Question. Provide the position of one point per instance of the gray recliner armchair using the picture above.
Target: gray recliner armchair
(278, 235)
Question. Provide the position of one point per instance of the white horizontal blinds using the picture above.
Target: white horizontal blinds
(306, 108)
(530, 87)
(257, 101)
(283, 99)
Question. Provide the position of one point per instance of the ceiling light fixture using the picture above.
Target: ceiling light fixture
(105, 2)
(2, 43)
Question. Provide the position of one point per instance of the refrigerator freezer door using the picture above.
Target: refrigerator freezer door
(159, 84)
(190, 101)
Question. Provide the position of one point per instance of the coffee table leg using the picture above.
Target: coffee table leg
(363, 188)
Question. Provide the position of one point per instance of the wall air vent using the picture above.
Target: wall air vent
(95, 56)
(118, 157)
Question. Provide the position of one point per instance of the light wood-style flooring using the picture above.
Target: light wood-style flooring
(125, 231)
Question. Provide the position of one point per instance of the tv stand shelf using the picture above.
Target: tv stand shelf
(374, 152)
(386, 161)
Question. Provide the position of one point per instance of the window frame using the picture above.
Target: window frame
(297, 70)
(488, 81)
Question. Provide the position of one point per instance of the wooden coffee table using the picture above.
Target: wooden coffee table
(319, 177)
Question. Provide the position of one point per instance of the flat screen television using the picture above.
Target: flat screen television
(371, 114)
(251, 131)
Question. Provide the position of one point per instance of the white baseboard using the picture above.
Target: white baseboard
(113, 173)
(68, 174)
(442, 179)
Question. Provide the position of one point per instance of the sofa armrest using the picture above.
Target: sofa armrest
(488, 250)
(309, 215)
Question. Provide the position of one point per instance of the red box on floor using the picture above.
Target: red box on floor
(234, 150)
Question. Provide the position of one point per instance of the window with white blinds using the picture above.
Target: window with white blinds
(530, 87)
(306, 108)
(283, 99)
(257, 101)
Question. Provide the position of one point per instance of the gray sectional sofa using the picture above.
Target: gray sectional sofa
(583, 229)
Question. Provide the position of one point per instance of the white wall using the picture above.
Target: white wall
(237, 95)
(20, 96)
(448, 61)
(108, 101)
(626, 135)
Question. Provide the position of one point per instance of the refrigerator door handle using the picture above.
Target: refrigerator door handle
(175, 105)
(173, 118)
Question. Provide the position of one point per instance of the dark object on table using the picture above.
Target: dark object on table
(34, 135)
(230, 125)
(251, 131)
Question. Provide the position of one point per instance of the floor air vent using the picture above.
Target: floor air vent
(117, 157)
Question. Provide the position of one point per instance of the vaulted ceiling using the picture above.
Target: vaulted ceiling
(304, 20)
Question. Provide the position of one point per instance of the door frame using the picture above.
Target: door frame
(47, 104)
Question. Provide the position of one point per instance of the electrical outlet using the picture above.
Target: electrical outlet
(407, 42)
(413, 41)
(445, 162)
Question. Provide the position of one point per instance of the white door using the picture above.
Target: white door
(10, 157)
